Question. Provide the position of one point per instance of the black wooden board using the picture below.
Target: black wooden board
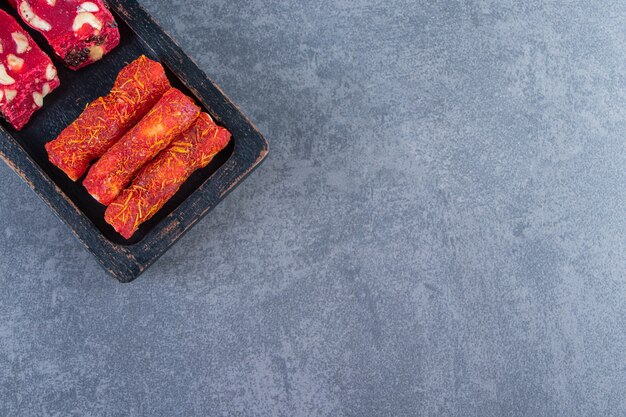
(24, 151)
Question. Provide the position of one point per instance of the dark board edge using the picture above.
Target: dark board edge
(126, 263)
(122, 266)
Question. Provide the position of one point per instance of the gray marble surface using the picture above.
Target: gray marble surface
(438, 231)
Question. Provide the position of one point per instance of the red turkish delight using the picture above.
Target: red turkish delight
(80, 32)
(136, 90)
(163, 177)
(27, 74)
(172, 115)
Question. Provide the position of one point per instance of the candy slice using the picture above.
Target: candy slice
(173, 114)
(136, 90)
(163, 177)
(27, 74)
(80, 32)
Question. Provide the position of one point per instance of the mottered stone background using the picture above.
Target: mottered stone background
(439, 229)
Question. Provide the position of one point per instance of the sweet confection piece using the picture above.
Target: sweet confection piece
(173, 114)
(163, 177)
(136, 90)
(80, 32)
(27, 74)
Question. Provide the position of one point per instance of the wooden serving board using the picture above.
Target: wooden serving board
(24, 151)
